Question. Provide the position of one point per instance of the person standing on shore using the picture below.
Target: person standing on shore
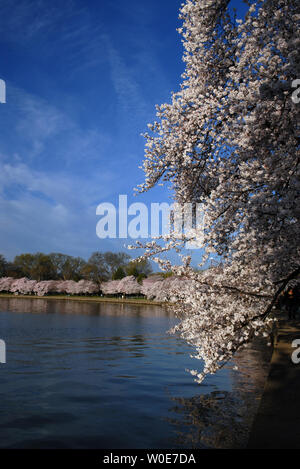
(292, 301)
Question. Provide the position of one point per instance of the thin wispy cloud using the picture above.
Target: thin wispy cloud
(37, 124)
(124, 80)
(67, 28)
(23, 20)
(48, 211)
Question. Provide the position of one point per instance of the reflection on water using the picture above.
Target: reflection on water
(88, 375)
(40, 305)
(222, 419)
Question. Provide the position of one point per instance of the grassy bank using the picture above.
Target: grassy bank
(95, 299)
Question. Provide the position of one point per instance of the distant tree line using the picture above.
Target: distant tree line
(155, 287)
(100, 267)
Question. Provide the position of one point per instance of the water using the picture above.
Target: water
(87, 375)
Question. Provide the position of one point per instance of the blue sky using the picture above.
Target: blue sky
(82, 78)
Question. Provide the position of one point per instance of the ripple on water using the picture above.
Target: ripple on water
(97, 376)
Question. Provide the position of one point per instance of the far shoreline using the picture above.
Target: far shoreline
(94, 299)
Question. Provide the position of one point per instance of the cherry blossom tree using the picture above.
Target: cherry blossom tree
(129, 286)
(22, 286)
(87, 287)
(70, 287)
(126, 286)
(163, 290)
(110, 288)
(169, 288)
(5, 283)
(60, 286)
(151, 285)
(229, 141)
(45, 287)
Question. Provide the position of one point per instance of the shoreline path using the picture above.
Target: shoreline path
(277, 422)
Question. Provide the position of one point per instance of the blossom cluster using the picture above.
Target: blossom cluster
(154, 287)
(24, 286)
(126, 286)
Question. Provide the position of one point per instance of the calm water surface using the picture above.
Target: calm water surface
(86, 375)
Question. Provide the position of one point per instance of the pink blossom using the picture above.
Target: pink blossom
(23, 286)
(129, 286)
(5, 283)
